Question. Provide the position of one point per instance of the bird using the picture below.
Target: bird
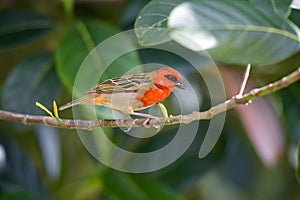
(132, 92)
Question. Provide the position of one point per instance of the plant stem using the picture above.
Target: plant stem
(128, 122)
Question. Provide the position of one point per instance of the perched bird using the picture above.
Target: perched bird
(132, 92)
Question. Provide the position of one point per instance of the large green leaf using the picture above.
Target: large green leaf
(237, 32)
(81, 38)
(152, 20)
(21, 27)
(18, 174)
(50, 147)
(126, 187)
(189, 168)
(234, 31)
(295, 16)
(295, 5)
(25, 195)
(290, 99)
(280, 7)
(298, 163)
(32, 80)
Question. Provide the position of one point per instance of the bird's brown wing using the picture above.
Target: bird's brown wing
(128, 83)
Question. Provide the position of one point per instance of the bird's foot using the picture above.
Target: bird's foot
(146, 125)
(131, 126)
(147, 116)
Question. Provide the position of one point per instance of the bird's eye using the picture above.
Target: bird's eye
(171, 78)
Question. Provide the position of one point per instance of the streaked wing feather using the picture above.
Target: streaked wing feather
(127, 83)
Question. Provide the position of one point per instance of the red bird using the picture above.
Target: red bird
(132, 92)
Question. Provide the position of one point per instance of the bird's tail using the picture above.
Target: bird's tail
(86, 99)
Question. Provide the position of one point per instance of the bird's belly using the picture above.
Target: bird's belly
(121, 101)
(134, 100)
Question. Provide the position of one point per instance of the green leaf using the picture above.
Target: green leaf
(55, 110)
(298, 163)
(125, 186)
(68, 6)
(55, 116)
(164, 111)
(81, 38)
(50, 146)
(18, 173)
(290, 99)
(155, 189)
(31, 81)
(25, 195)
(295, 5)
(234, 31)
(280, 7)
(295, 16)
(189, 168)
(121, 186)
(44, 108)
(22, 27)
(151, 21)
(240, 32)
(129, 13)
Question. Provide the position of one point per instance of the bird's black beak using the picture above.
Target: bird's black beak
(180, 84)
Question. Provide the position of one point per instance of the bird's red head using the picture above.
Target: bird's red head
(167, 78)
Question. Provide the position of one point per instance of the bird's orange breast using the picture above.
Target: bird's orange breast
(153, 96)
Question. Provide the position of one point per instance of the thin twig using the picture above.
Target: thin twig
(205, 115)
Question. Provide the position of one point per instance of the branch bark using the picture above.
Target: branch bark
(204, 115)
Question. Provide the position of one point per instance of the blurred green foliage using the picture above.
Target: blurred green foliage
(42, 45)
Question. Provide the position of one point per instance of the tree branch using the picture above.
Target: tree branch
(205, 115)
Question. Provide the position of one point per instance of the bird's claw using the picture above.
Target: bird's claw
(145, 124)
(128, 129)
(131, 125)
